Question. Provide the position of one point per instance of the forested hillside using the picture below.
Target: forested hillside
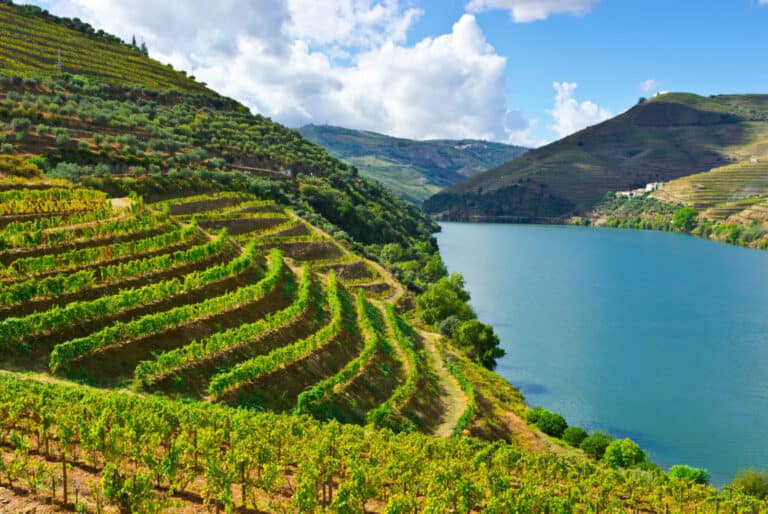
(414, 170)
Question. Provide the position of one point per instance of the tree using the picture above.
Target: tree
(479, 342)
(683, 472)
(685, 219)
(751, 482)
(624, 453)
(574, 436)
(595, 444)
(444, 298)
(20, 126)
(551, 424)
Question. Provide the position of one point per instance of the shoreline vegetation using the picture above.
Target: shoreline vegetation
(645, 212)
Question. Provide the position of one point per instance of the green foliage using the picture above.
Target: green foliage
(551, 424)
(446, 297)
(684, 472)
(20, 126)
(448, 326)
(250, 370)
(595, 444)
(574, 436)
(751, 482)
(130, 493)
(685, 219)
(479, 342)
(224, 450)
(64, 354)
(414, 170)
(533, 415)
(624, 453)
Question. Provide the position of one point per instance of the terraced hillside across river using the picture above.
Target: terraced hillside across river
(665, 138)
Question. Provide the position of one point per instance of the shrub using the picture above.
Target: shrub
(479, 342)
(448, 326)
(683, 472)
(62, 138)
(446, 297)
(574, 436)
(751, 482)
(551, 424)
(624, 453)
(685, 219)
(6, 148)
(532, 416)
(595, 444)
(20, 125)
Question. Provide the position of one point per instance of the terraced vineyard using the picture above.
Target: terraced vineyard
(42, 44)
(224, 298)
(722, 192)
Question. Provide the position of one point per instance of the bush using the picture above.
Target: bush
(446, 297)
(20, 125)
(595, 444)
(551, 424)
(751, 482)
(685, 219)
(683, 472)
(62, 138)
(624, 453)
(532, 416)
(574, 436)
(447, 327)
(479, 342)
(6, 148)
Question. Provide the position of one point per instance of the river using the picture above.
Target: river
(650, 335)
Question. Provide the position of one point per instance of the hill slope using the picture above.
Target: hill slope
(35, 43)
(168, 241)
(667, 137)
(414, 170)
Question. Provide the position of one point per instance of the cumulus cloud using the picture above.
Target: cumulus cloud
(650, 84)
(524, 11)
(343, 62)
(569, 115)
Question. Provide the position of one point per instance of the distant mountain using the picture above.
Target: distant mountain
(670, 136)
(413, 169)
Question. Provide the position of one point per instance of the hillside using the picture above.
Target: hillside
(202, 311)
(414, 170)
(661, 139)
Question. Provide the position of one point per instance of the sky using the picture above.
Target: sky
(524, 72)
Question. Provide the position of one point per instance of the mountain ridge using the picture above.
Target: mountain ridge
(667, 137)
(414, 169)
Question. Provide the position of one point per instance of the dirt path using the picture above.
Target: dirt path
(121, 203)
(454, 398)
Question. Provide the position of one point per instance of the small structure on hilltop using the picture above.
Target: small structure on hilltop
(649, 188)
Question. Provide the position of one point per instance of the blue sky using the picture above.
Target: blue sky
(449, 68)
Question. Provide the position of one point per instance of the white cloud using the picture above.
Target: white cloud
(650, 84)
(343, 62)
(524, 11)
(569, 115)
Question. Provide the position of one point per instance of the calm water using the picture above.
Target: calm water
(655, 336)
